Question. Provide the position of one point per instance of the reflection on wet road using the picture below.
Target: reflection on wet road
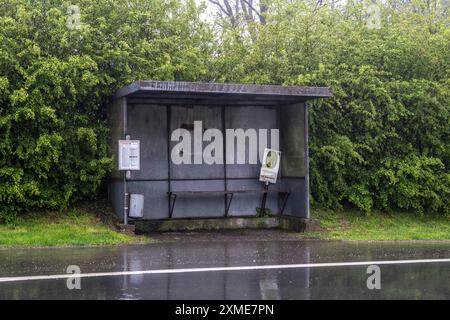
(404, 281)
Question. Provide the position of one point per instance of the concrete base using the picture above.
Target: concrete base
(282, 222)
(127, 228)
(298, 224)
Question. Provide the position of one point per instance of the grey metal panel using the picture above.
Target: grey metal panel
(246, 118)
(211, 117)
(295, 205)
(156, 200)
(148, 124)
(115, 125)
(246, 204)
(199, 205)
(306, 147)
(292, 127)
(115, 197)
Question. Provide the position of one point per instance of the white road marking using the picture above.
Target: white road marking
(239, 268)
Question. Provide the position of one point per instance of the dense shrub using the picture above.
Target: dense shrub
(382, 141)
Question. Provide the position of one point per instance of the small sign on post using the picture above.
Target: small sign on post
(129, 155)
(270, 166)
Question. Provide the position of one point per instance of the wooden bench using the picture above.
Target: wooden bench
(284, 193)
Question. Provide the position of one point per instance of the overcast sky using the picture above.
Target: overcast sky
(209, 12)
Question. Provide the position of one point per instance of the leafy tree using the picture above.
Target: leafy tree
(59, 62)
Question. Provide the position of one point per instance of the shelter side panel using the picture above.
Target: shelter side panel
(295, 205)
(115, 124)
(115, 196)
(292, 129)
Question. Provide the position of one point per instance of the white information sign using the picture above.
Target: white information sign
(129, 155)
(270, 166)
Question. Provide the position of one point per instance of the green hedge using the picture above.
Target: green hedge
(382, 141)
(55, 79)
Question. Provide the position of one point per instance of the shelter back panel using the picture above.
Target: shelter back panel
(148, 123)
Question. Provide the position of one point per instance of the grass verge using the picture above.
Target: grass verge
(73, 227)
(352, 225)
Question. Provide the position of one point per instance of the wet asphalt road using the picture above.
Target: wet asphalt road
(229, 249)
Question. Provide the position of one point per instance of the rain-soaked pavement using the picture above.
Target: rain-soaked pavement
(230, 249)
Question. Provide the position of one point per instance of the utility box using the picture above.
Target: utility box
(136, 205)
